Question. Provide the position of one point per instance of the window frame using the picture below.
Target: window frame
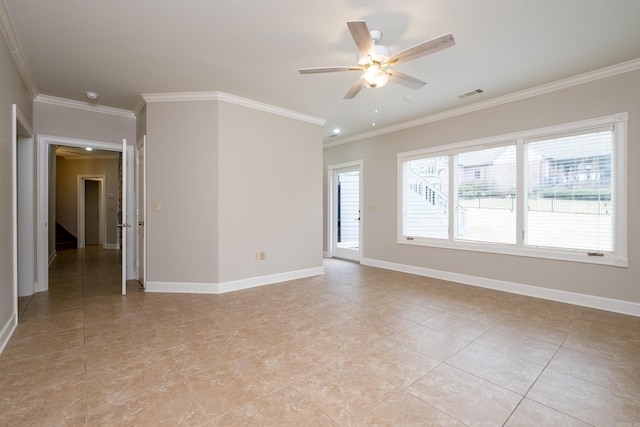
(618, 256)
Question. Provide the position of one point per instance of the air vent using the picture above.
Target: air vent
(468, 94)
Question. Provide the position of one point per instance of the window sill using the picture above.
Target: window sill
(502, 249)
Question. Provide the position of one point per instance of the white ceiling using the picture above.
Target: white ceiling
(253, 49)
(79, 153)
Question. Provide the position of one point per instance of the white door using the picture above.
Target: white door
(26, 216)
(92, 212)
(346, 212)
(141, 206)
(124, 225)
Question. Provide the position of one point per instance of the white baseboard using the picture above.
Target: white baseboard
(52, 256)
(234, 285)
(7, 331)
(111, 246)
(601, 303)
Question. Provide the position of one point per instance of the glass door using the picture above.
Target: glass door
(346, 212)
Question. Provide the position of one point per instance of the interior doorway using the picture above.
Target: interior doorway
(91, 210)
(45, 206)
(24, 208)
(346, 208)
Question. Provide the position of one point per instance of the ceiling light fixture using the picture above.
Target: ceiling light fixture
(375, 76)
(88, 148)
(92, 95)
(336, 131)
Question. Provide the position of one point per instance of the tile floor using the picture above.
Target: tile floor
(356, 346)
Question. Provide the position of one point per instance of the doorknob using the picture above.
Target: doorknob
(140, 223)
(123, 225)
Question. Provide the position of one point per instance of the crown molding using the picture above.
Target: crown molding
(137, 109)
(79, 105)
(231, 99)
(9, 33)
(602, 73)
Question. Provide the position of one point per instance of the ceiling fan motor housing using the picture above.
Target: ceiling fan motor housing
(381, 53)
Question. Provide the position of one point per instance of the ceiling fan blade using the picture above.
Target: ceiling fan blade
(405, 80)
(362, 37)
(354, 90)
(328, 69)
(422, 49)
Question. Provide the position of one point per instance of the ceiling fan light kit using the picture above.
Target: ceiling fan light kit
(375, 60)
(374, 76)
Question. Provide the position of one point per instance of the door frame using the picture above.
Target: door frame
(141, 208)
(82, 179)
(42, 202)
(20, 128)
(332, 198)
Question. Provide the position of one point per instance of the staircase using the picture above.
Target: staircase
(64, 239)
(426, 212)
(425, 219)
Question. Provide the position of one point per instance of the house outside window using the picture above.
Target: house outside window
(557, 192)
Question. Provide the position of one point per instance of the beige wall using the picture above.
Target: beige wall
(141, 123)
(67, 172)
(12, 91)
(269, 194)
(182, 177)
(231, 181)
(616, 94)
(69, 122)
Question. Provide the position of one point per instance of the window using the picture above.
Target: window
(556, 193)
(427, 201)
(569, 188)
(486, 187)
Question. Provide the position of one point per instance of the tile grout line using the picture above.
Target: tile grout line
(524, 396)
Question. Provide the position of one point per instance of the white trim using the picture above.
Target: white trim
(141, 209)
(112, 246)
(9, 32)
(231, 99)
(584, 300)
(7, 28)
(7, 331)
(332, 198)
(510, 138)
(14, 205)
(590, 76)
(42, 202)
(620, 155)
(234, 285)
(86, 106)
(137, 109)
(18, 120)
(618, 256)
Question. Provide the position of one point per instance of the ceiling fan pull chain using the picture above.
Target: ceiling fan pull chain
(375, 109)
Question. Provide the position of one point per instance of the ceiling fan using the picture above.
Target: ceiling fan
(375, 60)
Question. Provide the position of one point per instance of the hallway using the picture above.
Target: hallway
(356, 346)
